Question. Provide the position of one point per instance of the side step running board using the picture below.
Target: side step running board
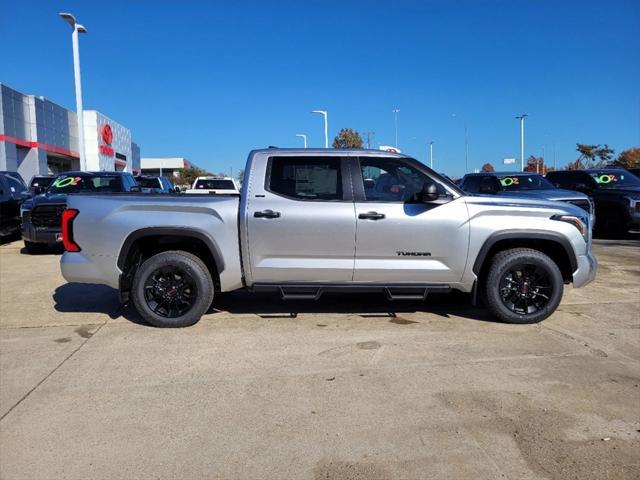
(300, 293)
(315, 291)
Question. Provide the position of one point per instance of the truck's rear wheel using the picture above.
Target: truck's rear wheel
(172, 289)
(523, 286)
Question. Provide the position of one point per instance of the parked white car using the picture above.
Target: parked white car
(214, 185)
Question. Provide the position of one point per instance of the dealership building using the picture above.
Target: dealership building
(40, 137)
(166, 166)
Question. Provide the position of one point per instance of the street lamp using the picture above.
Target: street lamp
(431, 154)
(326, 126)
(77, 28)
(304, 137)
(521, 118)
(466, 143)
(395, 113)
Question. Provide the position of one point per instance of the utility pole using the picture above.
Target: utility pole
(431, 154)
(395, 112)
(304, 137)
(521, 118)
(369, 135)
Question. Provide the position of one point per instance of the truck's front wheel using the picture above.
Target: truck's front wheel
(523, 286)
(172, 289)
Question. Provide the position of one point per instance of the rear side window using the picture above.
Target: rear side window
(16, 185)
(306, 178)
(471, 184)
(215, 185)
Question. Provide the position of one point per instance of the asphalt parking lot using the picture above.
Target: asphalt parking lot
(348, 387)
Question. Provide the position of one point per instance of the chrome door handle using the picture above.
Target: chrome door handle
(266, 214)
(371, 216)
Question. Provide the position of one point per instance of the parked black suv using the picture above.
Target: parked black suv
(522, 184)
(13, 192)
(615, 193)
(155, 184)
(42, 214)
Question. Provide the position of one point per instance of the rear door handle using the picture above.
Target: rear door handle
(266, 214)
(371, 216)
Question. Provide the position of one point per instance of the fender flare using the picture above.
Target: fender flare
(174, 232)
(525, 235)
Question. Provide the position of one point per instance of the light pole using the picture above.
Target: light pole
(77, 28)
(304, 137)
(431, 154)
(395, 121)
(521, 118)
(326, 126)
(466, 143)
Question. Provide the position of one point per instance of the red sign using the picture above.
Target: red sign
(106, 133)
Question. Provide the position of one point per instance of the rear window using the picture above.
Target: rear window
(306, 178)
(215, 185)
(41, 181)
(85, 183)
(148, 182)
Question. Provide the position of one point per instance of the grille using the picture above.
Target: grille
(49, 216)
(583, 204)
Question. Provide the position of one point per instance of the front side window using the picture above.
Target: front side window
(392, 180)
(306, 178)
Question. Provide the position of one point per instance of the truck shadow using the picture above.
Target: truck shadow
(90, 298)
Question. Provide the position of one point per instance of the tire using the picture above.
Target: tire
(508, 294)
(172, 289)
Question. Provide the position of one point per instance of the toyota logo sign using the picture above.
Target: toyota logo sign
(107, 134)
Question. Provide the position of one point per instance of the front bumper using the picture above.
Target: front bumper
(586, 271)
(40, 234)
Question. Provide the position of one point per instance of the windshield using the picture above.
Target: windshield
(85, 183)
(615, 179)
(148, 182)
(512, 183)
(215, 185)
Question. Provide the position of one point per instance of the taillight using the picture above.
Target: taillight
(67, 230)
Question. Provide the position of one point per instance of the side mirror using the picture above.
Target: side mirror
(39, 190)
(429, 192)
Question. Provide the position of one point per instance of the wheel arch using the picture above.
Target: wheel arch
(146, 242)
(555, 245)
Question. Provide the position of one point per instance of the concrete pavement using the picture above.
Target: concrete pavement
(349, 387)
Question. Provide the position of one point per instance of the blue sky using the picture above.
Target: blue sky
(212, 80)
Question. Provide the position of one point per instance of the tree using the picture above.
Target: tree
(577, 165)
(188, 175)
(348, 138)
(240, 176)
(605, 154)
(535, 164)
(487, 167)
(589, 153)
(629, 158)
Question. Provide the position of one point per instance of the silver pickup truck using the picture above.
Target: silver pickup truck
(311, 221)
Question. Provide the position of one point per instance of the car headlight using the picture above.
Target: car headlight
(634, 202)
(581, 223)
